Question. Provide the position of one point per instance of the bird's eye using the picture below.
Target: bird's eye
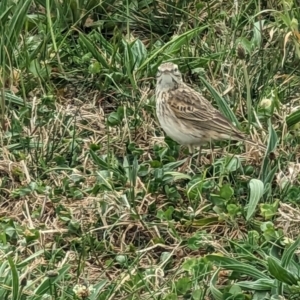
(175, 70)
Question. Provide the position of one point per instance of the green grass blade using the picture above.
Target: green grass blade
(15, 279)
(5, 15)
(17, 21)
(169, 48)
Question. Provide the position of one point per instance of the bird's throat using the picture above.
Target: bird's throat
(167, 82)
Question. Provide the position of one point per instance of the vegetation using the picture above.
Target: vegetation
(95, 203)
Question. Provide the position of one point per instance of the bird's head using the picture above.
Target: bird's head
(168, 76)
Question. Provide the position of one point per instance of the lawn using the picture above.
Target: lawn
(95, 200)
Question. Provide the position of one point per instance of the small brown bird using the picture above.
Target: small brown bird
(186, 116)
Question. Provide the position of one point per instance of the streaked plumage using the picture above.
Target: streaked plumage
(186, 116)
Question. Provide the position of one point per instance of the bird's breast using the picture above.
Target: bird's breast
(170, 124)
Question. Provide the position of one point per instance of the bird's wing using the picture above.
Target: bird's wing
(197, 114)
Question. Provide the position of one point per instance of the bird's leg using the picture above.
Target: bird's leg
(191, 152)
(212, 153)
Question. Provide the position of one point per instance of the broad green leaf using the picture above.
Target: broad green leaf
(293, 118)
(139, 52)
(215, 292)
(174, 165)
(222, 104)
(289, 253)
(183, 285)
(269, 210)
(233, 164)
(10, 98)
(257, 33)
(99, 161)
(270, 176)
(205, 221)
(273, 139)
(98, 289)
(114, 119)
(266, 174)
(287, 262)
(235, 265)
(75, 10)
(258, 285)
(94, 50)
(226, 191)
(280, 273)
(245, 44)
(256, 192)
(178, 175)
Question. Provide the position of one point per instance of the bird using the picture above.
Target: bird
(186, 116)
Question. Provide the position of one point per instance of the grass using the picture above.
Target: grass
(94, 204)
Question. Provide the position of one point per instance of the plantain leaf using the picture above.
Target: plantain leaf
(235, 265)
(222, 104)
(258, 285)
(93, 49)
(289, 253)
(256, 191)
(280, 273)
(215, 292)
(266, 173)
(293, 118)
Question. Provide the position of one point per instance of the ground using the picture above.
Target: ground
(95, 201)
